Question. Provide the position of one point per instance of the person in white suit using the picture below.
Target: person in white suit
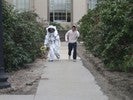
(52, 41)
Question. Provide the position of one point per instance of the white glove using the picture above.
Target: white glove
(45, 46)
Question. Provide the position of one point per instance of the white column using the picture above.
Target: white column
(79, 9)
(41, 8)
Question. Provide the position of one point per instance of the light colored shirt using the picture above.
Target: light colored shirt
(71, 36)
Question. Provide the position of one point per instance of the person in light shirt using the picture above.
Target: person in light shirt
(71, 37)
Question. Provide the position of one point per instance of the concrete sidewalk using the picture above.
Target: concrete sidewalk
(64, 80)
(68, 80)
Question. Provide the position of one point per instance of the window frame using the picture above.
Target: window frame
(92, 4)
(22, 5)
(62, 15)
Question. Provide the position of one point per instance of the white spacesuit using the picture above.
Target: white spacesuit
(52, 40)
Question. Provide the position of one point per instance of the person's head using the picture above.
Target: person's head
(51, 30)
(74, 28)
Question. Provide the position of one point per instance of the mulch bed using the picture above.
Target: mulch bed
(117, 84)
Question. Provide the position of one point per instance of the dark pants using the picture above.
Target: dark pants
(72, 46)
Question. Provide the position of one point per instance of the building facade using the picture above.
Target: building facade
(66, 12)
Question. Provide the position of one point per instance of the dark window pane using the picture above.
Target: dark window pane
(55, 18)
(56, 14)
(51, 13)
(59, 14)
(51, 17)
(68, 17)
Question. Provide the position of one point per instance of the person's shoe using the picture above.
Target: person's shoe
(51, 60)
(58, 56)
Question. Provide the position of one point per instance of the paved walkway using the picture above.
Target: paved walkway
(65, 80)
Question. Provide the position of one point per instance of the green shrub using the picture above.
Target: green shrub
(107, 32)
(22, 37)
(58, 25)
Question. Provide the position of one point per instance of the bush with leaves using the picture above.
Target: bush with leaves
(107, 32)
(58, 25)
(22, 37)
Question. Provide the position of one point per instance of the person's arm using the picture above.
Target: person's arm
(46, 41)
(78, 34)
(66, 36)
(58, 41)
(46, 38)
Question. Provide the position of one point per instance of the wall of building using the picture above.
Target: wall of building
(41, 8)
(31, 5)
(10, 1)
(79, 9)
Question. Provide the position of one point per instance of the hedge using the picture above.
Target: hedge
(22, 37)
(107, 32)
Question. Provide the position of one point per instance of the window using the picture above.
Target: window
(60, 10)
(22, 5)
(92, 4)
